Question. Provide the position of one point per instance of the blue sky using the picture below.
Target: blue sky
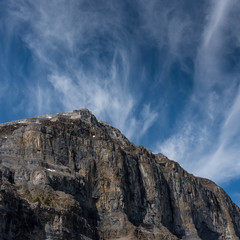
(166, 73)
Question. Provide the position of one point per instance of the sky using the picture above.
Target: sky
(164, 72)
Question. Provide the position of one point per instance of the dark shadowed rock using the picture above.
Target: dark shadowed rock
(70, 176)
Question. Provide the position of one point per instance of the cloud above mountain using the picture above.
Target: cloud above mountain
(165, 73)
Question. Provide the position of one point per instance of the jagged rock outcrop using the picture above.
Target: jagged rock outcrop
(70, 176)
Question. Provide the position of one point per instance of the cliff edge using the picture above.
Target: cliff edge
(70, 176)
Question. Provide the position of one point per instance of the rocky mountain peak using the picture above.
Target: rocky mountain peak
(70, 176)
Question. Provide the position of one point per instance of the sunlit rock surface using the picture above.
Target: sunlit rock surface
(70, 176)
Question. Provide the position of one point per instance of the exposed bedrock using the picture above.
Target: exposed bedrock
(70, 176)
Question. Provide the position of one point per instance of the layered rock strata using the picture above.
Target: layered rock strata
(70, 176)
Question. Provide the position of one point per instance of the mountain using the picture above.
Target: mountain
(70, 176)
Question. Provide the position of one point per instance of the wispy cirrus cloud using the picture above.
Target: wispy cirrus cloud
(223, 164)
(165, 71)
(206, 139)
(86, 52)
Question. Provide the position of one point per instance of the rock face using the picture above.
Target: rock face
(69, 176)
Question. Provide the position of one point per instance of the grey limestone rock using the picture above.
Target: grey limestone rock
(70, 176)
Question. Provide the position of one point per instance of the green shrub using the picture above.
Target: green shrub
(36, 200)
(47, 202)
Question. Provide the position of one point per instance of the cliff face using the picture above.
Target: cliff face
(69, 176)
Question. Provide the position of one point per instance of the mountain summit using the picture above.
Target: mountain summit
(70, 176)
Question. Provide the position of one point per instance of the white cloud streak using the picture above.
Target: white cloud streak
(223, 163)
(216, 20)
(88, 54)
(206, 143)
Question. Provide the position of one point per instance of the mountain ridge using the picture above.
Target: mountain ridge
(71, 176)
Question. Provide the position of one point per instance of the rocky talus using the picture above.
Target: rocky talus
(70, 176)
